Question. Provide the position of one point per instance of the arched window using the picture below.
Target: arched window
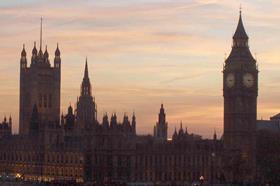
(40, 100)
(50, 100)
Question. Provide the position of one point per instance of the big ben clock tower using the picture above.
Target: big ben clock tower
(240, 89)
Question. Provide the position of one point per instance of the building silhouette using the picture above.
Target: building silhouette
(40, 85)
(240, 108)
(76, 146)
(160, 129)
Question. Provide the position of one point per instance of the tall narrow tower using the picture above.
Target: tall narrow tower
(86, 107)
(240, 82)
(40, 86)
(160, 130)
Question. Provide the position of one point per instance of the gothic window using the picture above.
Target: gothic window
(40, 100)
(50, 100)
(45, 100)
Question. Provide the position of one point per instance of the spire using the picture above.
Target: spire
(240, 48)
(46, 54)
(133, 116)
(161, 109)
(181, 131)
(240, 32)
(10, 120)
(86, 70)
(34, 51)
(23, 52)
(186, 131)
(41, 32)
(70, 109)
(215, 135)
(86, 86)
(161, 115)
(57, 51)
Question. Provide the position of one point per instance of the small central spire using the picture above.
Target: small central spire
(41, 33)
(86, 70)
(240, 32)
(86, 86)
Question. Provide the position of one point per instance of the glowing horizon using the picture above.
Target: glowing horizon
(141, 54)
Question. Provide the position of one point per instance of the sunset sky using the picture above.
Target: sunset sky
(142, 53)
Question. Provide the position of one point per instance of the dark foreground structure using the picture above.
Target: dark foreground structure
(77, 147)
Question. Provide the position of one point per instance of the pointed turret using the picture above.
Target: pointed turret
(105, 121)
(113, 122)
(70, 110)
(86, 107)
(133, 123)
(23, 52)
(126, 122)
(240, 37)
(215, 135)
(240, 48)
(46, 53)
(240, 32)
(57, 59)
(34, 50)
(175, 134)
(86, 70)
(181, 131)
(186, 131)
(10, 121)
(70, 118)
(57, 51)
(160, 131)
(23, 60)
(86, 86)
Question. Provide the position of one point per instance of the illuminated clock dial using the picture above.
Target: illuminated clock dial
(230, 80)
(248, 80)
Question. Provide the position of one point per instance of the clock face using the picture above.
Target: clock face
(230, 80)
(248, 80)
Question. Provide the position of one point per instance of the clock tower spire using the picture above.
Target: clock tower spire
(240, 90)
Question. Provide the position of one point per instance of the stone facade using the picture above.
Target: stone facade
(40, 86)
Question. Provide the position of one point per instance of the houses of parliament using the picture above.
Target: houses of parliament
(76, 146)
